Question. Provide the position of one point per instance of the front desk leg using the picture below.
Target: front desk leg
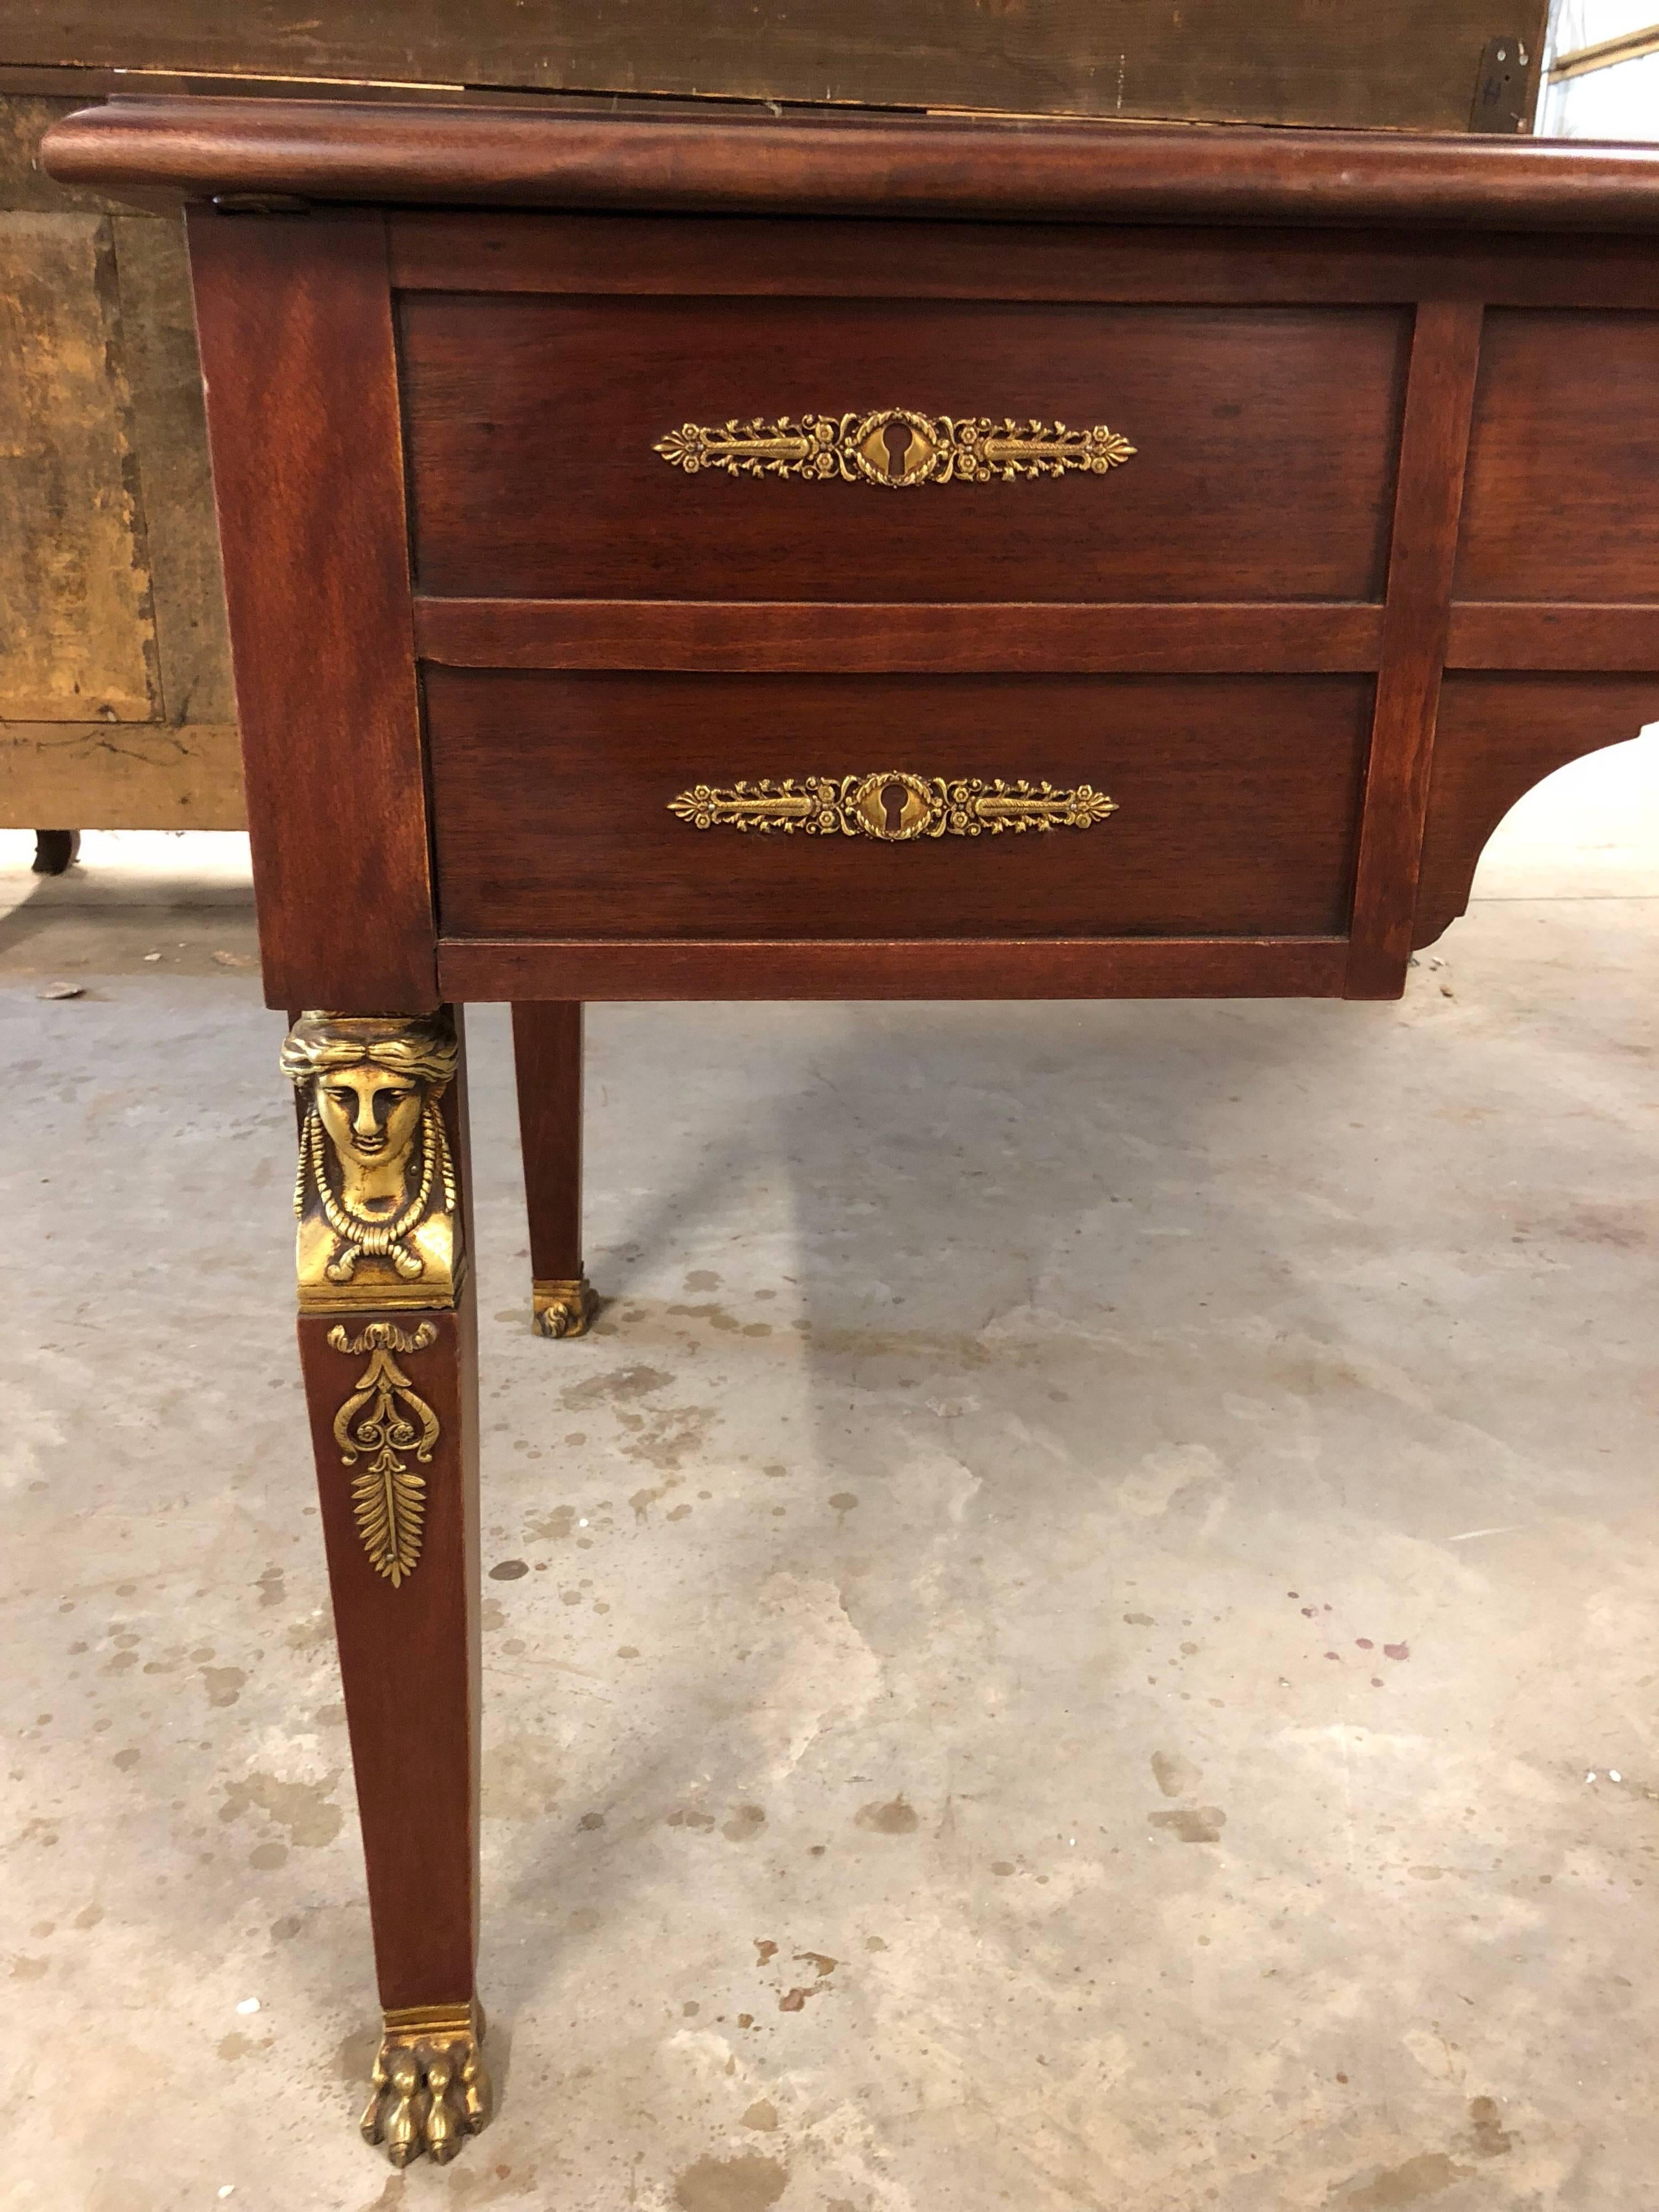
(388, 1349)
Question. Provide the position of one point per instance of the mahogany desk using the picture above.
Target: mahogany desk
(839, 558)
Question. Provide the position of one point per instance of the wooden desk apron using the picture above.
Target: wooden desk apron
(849, 557)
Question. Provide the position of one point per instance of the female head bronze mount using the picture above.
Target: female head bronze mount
(375, 1172)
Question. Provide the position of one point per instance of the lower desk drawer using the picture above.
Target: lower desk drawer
(1236, 804)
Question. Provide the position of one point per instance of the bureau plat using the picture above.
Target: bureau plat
(817, 556)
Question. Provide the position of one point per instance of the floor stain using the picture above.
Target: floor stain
(746, 1823)
(897, 1818)
(1175, 1776)
(1414, 2183)
(750, 2183)
(224, 1684)
(1193, 1824)
(1488, 2137)
(304, 1808)
(762, 2116)
(552, 1528)
(620, 1388)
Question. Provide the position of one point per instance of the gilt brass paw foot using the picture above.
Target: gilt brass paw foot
(564, 1309)
(431, 2090)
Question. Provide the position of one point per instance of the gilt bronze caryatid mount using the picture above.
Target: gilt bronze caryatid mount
(379, 1218)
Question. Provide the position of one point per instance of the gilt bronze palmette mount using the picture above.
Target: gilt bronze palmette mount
(892, 804)
(385, 1420)
(375, 1194)
(894, 447)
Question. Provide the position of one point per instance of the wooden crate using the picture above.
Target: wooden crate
(116, 704)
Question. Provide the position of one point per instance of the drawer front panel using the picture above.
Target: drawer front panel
(1562, 497)
(1264, 441)
(1236, 797)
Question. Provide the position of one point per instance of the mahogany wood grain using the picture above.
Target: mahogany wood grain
(547, 1058)
(1055, 968)
(294, 319)
(821, 164)
(1238, 800)
(410, 1657)
(1537, 634)
(1445, 354)
(1563, 459)
(1309, 638)
(1498, 736)
(748, 256)
(1264, 463)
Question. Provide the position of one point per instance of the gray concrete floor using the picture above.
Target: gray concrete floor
(1082, 1634)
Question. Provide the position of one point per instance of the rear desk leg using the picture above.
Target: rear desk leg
(388, 1348)
(547, 1051)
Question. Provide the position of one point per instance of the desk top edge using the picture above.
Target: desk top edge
(168, 150)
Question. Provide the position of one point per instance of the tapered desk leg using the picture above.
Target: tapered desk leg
(388, 1348)
(547, 1050)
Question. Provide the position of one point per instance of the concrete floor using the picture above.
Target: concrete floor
(1082, 1634)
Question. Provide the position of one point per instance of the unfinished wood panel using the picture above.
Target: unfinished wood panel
(25, 187)
(1564, 457)
(76, 634)
(1413, 65)
(158, 326)
(128, 776)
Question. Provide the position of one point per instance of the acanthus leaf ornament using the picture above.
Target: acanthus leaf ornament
(894, 447)
(385, 1417)
(892, 804)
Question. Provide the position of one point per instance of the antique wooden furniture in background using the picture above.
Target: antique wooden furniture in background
(1415, 65)
(116, 707)
(821, 558)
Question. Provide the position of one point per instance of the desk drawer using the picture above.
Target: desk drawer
(1264, 444)
(1235, 800)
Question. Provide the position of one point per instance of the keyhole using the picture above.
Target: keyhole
(893, 797)
(897, 439)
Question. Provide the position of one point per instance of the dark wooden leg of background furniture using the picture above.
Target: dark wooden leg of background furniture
(392, 1391)
(547, 1050)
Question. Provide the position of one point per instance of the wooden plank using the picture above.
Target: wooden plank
(25, 187)
(90, 775)
(712, 635)
(733, 162)
(76, 637)
(295, 323)
(748, 256)
(1524, 633)
(938, 968)
(1411, 66)
(158, 328)
(1434, 442)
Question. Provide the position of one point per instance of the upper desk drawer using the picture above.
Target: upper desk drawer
(1264, 439)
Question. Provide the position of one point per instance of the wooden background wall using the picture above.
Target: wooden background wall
(116, 706)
